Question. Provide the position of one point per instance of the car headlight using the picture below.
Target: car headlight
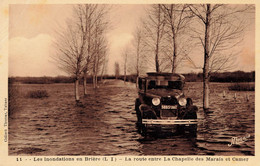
(182, 101)
(156, 101)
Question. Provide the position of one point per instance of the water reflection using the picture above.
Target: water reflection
(161, 142)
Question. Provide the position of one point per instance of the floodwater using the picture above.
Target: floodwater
(105, 123)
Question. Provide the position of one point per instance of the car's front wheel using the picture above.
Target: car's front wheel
(191, 110)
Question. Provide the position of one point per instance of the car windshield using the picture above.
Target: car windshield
(165, 84)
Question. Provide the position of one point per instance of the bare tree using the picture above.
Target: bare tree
(138, 55)
(117, 70)
(70, 47)
(221, 30)
(92, 22)
(100, 54)
(104, 67)
(177, 20)
(77, 44)
(154, 32)
(85, 16)
(138, 44)
(125, 55)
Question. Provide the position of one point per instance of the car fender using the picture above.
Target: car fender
(146, 109)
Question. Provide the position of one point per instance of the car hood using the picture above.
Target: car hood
(164, 92)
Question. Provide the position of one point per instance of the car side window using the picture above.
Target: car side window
(143, 84)
(152, 84)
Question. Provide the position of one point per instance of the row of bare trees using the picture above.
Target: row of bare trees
(164, 40)
(169, 32)
(161, 40)
(81, 46)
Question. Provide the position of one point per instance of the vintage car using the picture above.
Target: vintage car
(161, 102)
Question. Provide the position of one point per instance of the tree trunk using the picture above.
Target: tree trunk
(125, 67)
(77, 90)
(136, 83)
(174, 54)
(206, 60)
(157, 66)
(173, 64)
(206, 94)
(157, 59)
(85, 84)
(96, 80)
(125, 77)
(137, 75)
(137, 56)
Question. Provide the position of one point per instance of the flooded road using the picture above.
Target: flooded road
(105, 123)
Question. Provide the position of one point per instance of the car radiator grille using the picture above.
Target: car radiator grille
(169, 101)
(169, 107)
(168, 113)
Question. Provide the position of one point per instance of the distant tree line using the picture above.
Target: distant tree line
(237, 76)
(41, 80)
(46, 80)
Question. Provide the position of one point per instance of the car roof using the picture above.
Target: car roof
(163, 76)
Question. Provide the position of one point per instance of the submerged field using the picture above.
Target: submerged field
(105, 123)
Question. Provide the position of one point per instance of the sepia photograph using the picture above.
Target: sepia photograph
(161, 79)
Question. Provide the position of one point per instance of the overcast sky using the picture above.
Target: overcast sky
(32, 31)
